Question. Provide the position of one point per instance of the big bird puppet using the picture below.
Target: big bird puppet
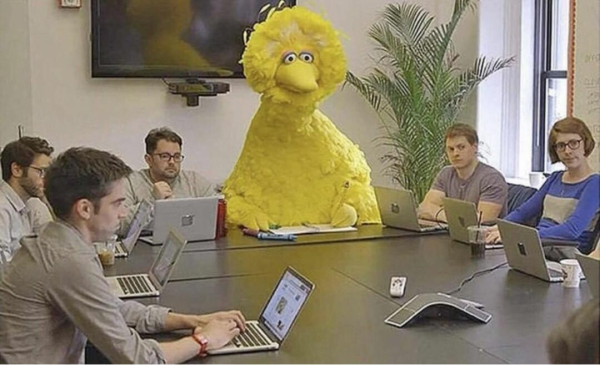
(296, 167)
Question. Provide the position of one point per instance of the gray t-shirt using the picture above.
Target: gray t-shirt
(485, 184)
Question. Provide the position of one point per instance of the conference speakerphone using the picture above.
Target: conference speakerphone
(436, 305)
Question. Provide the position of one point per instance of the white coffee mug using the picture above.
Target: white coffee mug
(536, 179)
(572, 271)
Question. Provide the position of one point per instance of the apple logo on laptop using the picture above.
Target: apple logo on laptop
(395, 208)
(187, 220)
(461, 220)
(522, 249)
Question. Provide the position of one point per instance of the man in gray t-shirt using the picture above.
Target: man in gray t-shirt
(466, 179)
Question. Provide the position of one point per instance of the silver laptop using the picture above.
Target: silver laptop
(460, 215)
(194, 218)
(124, 247)
(150, 284)
(524, 252)
(398, 209)
(276, 319)
(591, 269)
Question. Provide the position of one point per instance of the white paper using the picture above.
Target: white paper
(313, 228)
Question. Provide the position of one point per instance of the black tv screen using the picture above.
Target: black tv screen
(171, 38)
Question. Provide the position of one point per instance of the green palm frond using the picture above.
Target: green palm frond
(417, 89)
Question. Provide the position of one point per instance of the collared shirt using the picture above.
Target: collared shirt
(53, 297)
(18, 219)
(188, 184)
(39, 213)
(14, 221)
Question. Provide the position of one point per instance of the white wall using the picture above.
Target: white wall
(15, 75)
(70, 108)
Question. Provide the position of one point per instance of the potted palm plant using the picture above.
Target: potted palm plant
(417, 89)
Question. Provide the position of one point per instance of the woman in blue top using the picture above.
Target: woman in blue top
(569, 200)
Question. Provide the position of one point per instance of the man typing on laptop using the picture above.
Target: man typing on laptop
(466, 179)
(54, 296)
(164, 178)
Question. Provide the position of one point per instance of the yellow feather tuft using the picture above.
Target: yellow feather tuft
(296, 166)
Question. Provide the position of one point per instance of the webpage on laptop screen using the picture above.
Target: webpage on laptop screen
(285, 304)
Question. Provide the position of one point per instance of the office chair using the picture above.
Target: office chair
(517, 195)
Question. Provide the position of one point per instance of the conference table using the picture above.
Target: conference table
(343, 320)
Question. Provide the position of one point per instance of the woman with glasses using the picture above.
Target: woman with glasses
(570, 199)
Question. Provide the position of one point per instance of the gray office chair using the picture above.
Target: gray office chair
(517, 195)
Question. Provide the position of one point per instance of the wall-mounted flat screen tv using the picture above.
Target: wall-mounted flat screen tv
(172, 38)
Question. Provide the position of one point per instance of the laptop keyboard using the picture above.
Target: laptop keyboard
(135, 284)
(252, 337)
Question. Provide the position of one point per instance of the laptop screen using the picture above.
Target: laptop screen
(285, 303)
(167, 258)
(140, 218)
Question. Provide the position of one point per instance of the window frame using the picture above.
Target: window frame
(543, 72)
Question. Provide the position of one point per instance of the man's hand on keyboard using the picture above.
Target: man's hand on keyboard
(493, 235)
(234, 315)
(218, 333)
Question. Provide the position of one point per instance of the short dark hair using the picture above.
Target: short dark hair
(157, 134)
(570, 125)
(81, 173)
(22, 152)
(576, 339)
(462, 130)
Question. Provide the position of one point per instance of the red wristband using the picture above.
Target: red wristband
(203, 342)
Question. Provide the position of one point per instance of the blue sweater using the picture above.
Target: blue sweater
(569, 211)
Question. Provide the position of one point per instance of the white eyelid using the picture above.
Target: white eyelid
(289, 58)
(307, 57)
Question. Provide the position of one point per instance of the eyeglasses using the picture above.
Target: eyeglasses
(166, 157)
(573, 145)
(40, 170)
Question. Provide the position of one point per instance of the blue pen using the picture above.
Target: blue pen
(276, 237)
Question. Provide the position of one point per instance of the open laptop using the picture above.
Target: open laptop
(524, 252)
(460, 215)
(194, 218)
(591, 269)
(276, 319)
(398, 209)
(150, 284)
(124, 247)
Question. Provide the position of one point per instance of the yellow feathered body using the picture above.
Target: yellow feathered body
(296, 166)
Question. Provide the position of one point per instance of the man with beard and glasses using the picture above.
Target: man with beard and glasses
(22, 211)
(164, 178)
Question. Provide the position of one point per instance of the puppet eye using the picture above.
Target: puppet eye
(289, 58)
(307, 57)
